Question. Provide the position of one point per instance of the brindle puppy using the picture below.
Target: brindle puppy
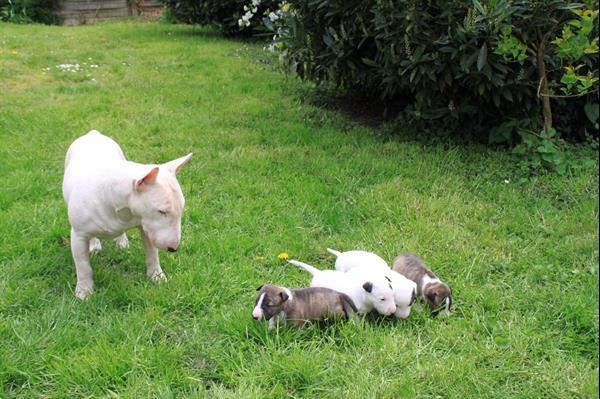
(300, 306)
(429, 286)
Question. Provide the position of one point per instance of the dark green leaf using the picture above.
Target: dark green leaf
(482, 58)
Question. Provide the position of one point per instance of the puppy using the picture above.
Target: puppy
(350, 259)
(106, 195)
(298, 307)
(368, 292)
(437, 294)
(367, 263)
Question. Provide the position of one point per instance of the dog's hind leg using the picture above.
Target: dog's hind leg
(95, 245)
(122, 241)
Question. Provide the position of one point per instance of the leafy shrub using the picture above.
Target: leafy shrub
(27, 11)
(469, 64)
(222, 14)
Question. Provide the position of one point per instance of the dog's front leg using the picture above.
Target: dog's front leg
(81, 255)
(152, 263)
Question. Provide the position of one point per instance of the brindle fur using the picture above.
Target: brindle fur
(413, 268)
(306, 304)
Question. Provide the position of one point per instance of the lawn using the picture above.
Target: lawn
(272, 173)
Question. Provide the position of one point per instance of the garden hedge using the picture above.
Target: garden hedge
(441, 56)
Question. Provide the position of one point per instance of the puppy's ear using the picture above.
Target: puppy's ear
(413, 297)
(259, 288)
(368, 286)
(150, 178)
(284, 296)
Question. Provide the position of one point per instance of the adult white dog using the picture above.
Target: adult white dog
(107, 195)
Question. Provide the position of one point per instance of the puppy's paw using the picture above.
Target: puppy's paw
(83, 291)
(122, 241)
(158, 277)
(95, 245)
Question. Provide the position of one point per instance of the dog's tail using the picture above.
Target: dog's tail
(311, 269)
(333, 251)
(348, 305)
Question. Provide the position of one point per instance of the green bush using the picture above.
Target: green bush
(224, 15)
(466, 64)
(28, 11)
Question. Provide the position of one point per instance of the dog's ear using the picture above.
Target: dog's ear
(284, 296)
(259, 288)
(176, 164)
(431, 296)
(150, 178)
(413, 297)
(368, 286)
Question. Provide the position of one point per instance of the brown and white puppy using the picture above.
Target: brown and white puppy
(437, 294)
(300, 306)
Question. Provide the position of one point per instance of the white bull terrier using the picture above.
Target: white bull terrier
(107, 195)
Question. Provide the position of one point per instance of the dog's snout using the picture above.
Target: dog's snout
(171, 249)
(255, 317)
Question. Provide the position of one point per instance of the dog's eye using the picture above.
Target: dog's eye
(162, 212)
(382, 299)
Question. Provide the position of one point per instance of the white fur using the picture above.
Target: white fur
(348, 260)
(107, 195)
(257, 313)
(289, 294)
(368, 264)
(381, 297)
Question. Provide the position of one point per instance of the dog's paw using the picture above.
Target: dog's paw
(95, 245)
(122, 241)
(83, 292)
(158, 277)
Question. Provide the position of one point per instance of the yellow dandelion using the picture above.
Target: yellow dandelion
(283, 256)
(14, 52)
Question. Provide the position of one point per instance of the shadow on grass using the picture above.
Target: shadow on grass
(365, 110)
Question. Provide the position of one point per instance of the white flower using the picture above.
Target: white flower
(254, 10)
(246, 18)
(255, 3)
(246, 8)
(240, 22)
(506, 181)
(273, 17)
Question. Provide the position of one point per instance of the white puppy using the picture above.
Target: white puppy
(107, 195)
(367, 292)
(363, 263)
(349, 260)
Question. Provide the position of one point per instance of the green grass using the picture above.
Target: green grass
(272, 173)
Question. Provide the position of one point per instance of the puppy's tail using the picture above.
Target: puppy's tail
(311, 269)
(348, 305)
(333, 251)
